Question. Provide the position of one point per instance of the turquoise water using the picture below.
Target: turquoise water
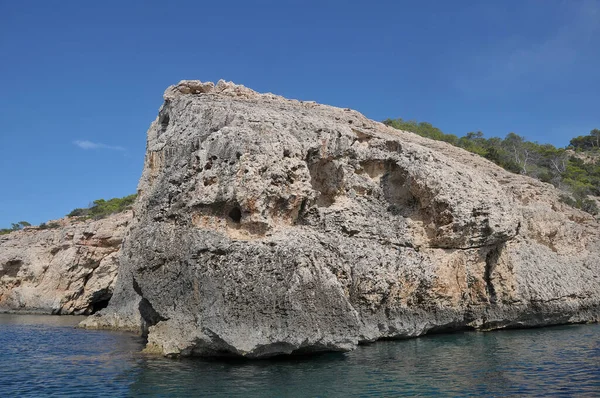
(46, 356)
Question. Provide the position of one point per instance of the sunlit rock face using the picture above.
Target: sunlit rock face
(68, 269)
(269, 226)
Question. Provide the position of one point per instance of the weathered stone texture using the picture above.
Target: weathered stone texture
(65, 270)
(269, 226)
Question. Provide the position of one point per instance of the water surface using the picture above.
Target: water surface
(47, 356)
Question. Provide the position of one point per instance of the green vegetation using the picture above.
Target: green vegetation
(103, 208)
(14, 227)
(50, 225)
(587, 142)
(99, 209)
(574, 169)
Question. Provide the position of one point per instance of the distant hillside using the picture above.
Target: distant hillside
(574, 169)
(103, 208)
(99, 209)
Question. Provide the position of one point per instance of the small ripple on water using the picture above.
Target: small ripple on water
(48, 357)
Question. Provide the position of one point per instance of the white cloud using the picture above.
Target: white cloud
(84, 144)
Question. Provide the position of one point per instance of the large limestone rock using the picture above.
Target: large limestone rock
(66, 270)
(269, 226)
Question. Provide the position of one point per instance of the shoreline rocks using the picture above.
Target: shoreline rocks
(70, 269)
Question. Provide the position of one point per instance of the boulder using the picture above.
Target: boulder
(267, 226)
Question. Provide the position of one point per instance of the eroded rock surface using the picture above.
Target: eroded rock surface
(270, 226)
(66, 270)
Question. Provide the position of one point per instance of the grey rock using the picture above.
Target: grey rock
(268, 226)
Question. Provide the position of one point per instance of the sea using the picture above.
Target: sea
(47, 356)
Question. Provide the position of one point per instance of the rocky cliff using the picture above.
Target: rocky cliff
(269, 226)
(70, 269)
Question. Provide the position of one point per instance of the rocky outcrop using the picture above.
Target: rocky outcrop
(268, 226)
(70, 269)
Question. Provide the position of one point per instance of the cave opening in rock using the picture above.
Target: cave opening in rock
(326, 177)
(164, 122)
(99, 305)
(235, 214)
(11, 268)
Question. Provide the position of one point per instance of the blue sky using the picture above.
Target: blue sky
(82, 81)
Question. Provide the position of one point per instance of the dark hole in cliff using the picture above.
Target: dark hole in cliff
(491, 260)
(99, 300)
(452, 327)
(394, 183)
(11, 268)
(393, 146)
(396, 188)
(235, 214)
(327, 177)
(99, 305)
(164, 122)
(301, 210)
(149, 315)
(209, 180)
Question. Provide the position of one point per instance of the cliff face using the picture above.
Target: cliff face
(65, 270)
(269, 226)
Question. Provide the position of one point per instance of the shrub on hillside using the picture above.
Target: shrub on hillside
(102, 208)
(15, 227)
(50, 225)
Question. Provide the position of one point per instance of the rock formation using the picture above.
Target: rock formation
(268, 226)
(66, 270)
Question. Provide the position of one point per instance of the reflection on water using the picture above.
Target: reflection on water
(46, 355)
